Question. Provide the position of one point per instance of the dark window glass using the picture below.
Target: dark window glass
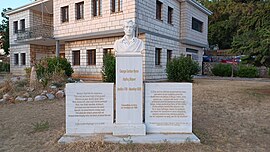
(116, 5)
(23, 59)
(157, 56)
(22, 22)
(169, 55)
(62, 55)
(76, 57)
(91, 55)
(170, 15)
(16, 59)
(97, 7)
(79, 10)
(15, 26)
(64, 14)
(158, 10)
(197, 24)
(108, 51)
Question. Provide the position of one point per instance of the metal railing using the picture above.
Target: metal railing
(43, 31)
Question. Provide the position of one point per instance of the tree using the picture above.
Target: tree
(4, 29)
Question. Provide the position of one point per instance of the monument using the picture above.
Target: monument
(129, 83)
(167, 106)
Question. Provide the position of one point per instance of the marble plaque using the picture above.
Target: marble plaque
(129, 83)
(168, 107)
(89, 108)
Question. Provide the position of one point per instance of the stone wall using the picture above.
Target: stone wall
(83, 70)
(18, 49)
(90, 24)
(188, 35)
(36, 18)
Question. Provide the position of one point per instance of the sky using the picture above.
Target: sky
(12, 4)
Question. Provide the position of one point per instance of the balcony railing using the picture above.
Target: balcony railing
(40, 31)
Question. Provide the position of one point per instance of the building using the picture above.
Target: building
(84, 30)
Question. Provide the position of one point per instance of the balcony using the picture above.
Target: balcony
(36, 34)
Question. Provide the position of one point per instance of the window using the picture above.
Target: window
(62, 55)
(15, 26)
(64, 14)
(170, 15)
(117, 5)
(79, 10)
(91, 56)
(169, 55)
(23, 59)
(197, 25)
(193, 54)
(158, 10)
(157, 56)
(22, 24)
(97, 6)
(16, 59)
(76, 57)
(108, 51)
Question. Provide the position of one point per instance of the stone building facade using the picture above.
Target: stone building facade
(84, 30)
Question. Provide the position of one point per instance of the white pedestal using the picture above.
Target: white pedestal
(129, 95)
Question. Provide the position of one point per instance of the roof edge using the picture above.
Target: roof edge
(198, 5)
(24, 7)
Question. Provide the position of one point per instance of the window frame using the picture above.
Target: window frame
(91, 57)
(118, 8)
(158, 56)
(197, 25)
(96, 8)
(170, 15)
(169, 55)
(23, 58)
(16, 58)
(76, 54)
(22, 25)
(15, 27)
(79, 9)
(65, 14)
(159, 6)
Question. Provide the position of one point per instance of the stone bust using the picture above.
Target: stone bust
(129, 44)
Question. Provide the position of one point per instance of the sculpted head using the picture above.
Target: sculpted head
(129, 28)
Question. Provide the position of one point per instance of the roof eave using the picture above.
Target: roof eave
(25, 7)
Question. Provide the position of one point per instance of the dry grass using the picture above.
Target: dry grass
(227, 116)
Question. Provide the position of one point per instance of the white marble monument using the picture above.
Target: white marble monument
(129, 83)
(168, 107)
(89, 108)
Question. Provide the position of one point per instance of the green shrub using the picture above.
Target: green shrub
(269, 72)
(223, 70)
(181, 69)
(47, 66)
(108, 69)
(247, 71)
(4, 67)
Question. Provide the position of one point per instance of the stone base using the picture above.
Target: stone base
(129, 129)
(147, 139)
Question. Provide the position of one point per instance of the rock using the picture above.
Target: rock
(33, 77)
(44, 92)
(7, 97)
(53, 87)
(26, 95)
(40, 98)
(30, 89)
(50, 96)
(20, 99)
(60, 94)
(2, 101)
(30, 99)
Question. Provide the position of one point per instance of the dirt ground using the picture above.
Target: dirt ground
(227, 116)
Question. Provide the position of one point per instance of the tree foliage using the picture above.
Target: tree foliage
(243, 25)
(4, 30)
